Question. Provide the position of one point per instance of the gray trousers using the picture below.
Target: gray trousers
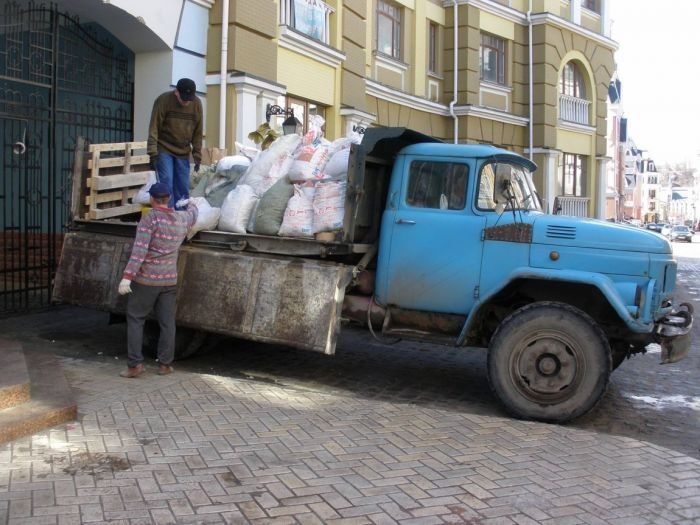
(142, 301)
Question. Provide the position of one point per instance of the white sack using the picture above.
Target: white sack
(329, 206)
(237, 208)
(298, 217)
(272, 164)
(143, 197)
(227, 163)
(207, 217)
(338, 163)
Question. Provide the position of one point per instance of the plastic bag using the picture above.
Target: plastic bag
(298, 216)
(237, 208)
(227, 163)
(270, 211)
(329, 206)
(143, 197)
(338, 163)
(207, 216)
(249, 152)
(272, 164)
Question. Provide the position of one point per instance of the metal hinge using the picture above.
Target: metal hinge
(476, 292)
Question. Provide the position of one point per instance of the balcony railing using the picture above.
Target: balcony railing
(310, 17)
(573, 109)
(572, 206)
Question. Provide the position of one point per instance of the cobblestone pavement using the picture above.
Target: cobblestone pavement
(249, 433)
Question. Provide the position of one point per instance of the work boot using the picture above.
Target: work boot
(133, 371)
(164, 370)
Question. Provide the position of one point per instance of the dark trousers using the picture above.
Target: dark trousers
(174, 172)
(142, 301)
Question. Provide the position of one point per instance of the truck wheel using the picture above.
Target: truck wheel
(187, 341)
(549, 362)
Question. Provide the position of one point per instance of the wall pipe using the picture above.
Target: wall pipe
(222, 79)
(454, 72)
(530, 81)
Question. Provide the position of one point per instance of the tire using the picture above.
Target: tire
(187, 341)
(549, 362)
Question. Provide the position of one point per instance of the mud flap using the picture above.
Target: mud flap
(277, 299)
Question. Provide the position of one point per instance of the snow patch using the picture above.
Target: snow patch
(661, 402)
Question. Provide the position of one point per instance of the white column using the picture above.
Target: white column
(246, 113)
(602, 171)
(354, 117)
(550, 178)
(604, 18)
(575, 12)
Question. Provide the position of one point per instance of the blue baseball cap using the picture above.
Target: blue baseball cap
(159, 189)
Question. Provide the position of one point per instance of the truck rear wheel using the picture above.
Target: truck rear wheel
(549, 362)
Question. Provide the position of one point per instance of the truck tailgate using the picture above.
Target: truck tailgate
(280, 299)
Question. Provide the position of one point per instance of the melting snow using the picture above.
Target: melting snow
(668, 401)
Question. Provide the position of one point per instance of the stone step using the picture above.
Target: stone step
(51, 402)
(14, 378)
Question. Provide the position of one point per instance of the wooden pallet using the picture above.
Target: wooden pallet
(115, 172)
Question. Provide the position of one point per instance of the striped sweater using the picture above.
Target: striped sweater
(160, 233)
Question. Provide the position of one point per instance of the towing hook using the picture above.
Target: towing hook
(689, 307)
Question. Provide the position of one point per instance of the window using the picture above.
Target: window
(571, 81)
(389, 29)
(303, 109)
(437, 185)
(652, 194)
(507, 184)
(591, 5)
(310, 17)
(432, 48)
(572, 175)
(492, 59)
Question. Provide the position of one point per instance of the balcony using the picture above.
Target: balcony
(571, 206)
(573, 109)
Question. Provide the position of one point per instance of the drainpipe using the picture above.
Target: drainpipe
(530, 82)
(454, 84)
(222, 80)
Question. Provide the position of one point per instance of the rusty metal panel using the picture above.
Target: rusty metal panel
(284, 300)
(90, 268)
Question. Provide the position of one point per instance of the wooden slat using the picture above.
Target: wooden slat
(117, 146)
(121, 161)
(78, 186)
(110, 182)
(112, 196)
(115, 212)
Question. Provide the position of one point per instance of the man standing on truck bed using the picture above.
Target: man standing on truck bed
(153, 269)
(175, 132)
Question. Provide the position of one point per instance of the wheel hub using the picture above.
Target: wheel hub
(547, 366)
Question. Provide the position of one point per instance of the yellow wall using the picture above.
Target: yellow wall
(496, 25)
(306, 78)
(574, 142)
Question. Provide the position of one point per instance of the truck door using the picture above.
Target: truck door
(430, 246)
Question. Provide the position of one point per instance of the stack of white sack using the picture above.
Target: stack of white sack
(207, 217)
(143, 197)
(216, 185)
(329, 206)
(237, 208)
(299, 216)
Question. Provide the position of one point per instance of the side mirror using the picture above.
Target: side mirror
(502, 192)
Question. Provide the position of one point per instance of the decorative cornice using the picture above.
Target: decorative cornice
(383, 92)
(551, 152)
(204, 3)
(299, 43)
(491, 114)
(549, 18)
(358, 114)
(242, 80)
(494, 8)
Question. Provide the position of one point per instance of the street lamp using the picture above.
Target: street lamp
(290, 125)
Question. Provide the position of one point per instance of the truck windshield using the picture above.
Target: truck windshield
(507, 184)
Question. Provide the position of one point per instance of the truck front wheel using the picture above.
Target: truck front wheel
(549, 361)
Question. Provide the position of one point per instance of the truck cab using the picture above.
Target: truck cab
(442, 243)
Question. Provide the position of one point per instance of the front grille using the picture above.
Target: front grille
(561, 232)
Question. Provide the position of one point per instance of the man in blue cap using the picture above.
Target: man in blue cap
(174, 133)
(150, 277)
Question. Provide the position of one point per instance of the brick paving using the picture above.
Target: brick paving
(374, 435)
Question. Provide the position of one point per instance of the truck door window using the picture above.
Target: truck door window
(438, 185)
(520, 189)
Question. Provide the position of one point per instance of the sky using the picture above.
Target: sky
(658, 63)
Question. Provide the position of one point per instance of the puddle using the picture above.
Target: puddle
(662, 402)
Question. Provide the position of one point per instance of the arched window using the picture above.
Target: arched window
(571, 81)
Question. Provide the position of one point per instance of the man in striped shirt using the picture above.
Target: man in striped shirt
(150, 277)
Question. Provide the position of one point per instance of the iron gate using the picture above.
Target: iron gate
(58, 80)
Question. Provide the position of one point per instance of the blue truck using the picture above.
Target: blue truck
(442, 243)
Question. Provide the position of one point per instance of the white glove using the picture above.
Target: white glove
(197, 201)
(125, 287)
(182, 203)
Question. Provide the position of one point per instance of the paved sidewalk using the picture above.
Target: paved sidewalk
(195, 448)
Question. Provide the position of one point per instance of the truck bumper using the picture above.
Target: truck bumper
(673, 334)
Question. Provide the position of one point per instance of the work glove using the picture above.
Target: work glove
(182, 203)
(153, 162)
(196, 167)
(125, 286)
(198, 201)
